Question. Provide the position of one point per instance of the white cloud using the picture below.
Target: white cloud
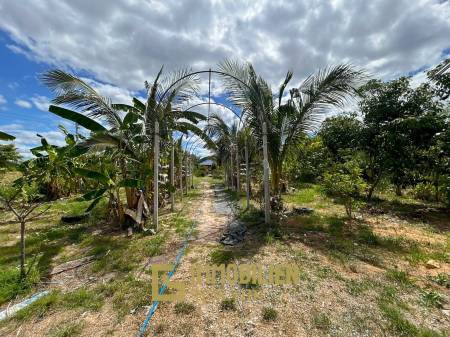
(27, 139)
(23, 103)
(2, 100)
(115, 93)
(41, 102)
(132, 39)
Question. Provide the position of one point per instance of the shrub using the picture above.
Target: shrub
(269, 314)
(184, 308)
(321, 321)
(220, 256)
(345, 184)
(228, 304)
(431, 299)
(424, 191)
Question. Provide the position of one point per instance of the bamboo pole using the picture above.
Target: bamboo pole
(247, 175)
(156, 177)
(172, 176)
(266, 176)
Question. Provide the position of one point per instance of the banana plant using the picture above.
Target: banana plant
(6, 136)
(108, 186)
(53, 165)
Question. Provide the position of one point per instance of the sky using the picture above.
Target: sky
(117, 45)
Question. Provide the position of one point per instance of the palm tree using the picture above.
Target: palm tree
(128, 138)
(226, 142)
(287, 118)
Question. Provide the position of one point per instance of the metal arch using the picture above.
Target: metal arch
(197, 73)
(215, 103)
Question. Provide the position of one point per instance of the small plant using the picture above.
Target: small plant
(22, 200)
(228, 304)
(269, 238)
(184, 308)
(345, 184)
(424, 191)
(269, 314)
(398, 323)
(399, 277)
(160, 328)
(367, 236)
(67, 330)
(220, 256)
(431, 299)
(441, 279)
(321, 321)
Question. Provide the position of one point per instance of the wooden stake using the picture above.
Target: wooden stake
(172, 176)
(266, 176)
(232, 168)
(238, 171)
(156, 177)
(247, 174)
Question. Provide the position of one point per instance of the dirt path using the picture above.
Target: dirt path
(212, 212)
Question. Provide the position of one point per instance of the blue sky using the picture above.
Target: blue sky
(132, 39)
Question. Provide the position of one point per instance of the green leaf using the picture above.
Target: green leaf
(92, 175)
(93, 204)
(77, 151)
(5, 136)
(193, 116)
(130, 118)
(123, 107)
(138, 104)
(76, 117)
(94, 194)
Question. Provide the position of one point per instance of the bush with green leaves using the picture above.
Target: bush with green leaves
(345, 184)
(424, 191)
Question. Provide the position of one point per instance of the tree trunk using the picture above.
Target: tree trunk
(398, 190)
(372, 187)
(22, 249)
(276, 177)
(436, 187)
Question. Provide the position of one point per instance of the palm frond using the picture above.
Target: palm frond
(76, 93)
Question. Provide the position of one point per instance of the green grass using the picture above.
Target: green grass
(221, 256)
(184, 308)
(367, 236)
(356, 288)
(228, 304)
(321, 321)
(400, 326)
(82, 298)
(269, 314)
(304, 195)
(66, 330)
(126, 294)
(181, 224)
(399, 277)
(120, 254)
(442, 279)
(431, 298)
